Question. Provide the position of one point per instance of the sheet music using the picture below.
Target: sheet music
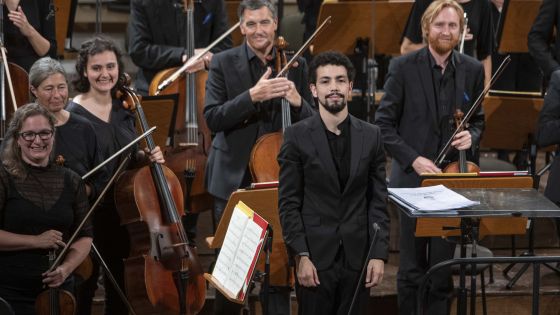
(238, 250)
(431, 198)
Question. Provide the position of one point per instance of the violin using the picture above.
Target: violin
(461, 166)
(18, 94)
(151, 205)
(55, 301)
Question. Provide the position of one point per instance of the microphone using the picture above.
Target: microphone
(376, 229)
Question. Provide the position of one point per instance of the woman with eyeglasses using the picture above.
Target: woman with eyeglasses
(41, 204)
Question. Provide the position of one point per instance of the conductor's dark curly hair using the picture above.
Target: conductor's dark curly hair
(330, 58)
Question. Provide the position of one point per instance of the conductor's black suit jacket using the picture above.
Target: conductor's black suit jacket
(316, 216)
(408, 116)
(236, 120)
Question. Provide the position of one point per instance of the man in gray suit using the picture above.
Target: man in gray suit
(243, 100)
(422, 91)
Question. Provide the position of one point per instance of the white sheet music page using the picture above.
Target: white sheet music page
(238, 250)
(431, 198)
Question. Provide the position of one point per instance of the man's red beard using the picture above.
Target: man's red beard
(443, 47)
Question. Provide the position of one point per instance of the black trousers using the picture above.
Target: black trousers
(334, 294)
(417, 255)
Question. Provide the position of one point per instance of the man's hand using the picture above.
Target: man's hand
(374, 274)
(267, 89)
(293, 96)
(200, 64)
(462, 140)
(422, 165)
(306, 272)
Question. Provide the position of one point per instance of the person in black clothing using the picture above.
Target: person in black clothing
(75, 138)
(41, 205)
(157, 35)
(29, 31)
(543, 46)
(479, 41)
(548, 133)
(422, 91)
(332, 190)
(99, 67)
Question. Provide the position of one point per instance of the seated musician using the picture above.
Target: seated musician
(422, 91)
(41, 204)
(243, 100)
(157, 31)
(327, 209)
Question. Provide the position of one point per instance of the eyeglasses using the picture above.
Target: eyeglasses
(31, 135)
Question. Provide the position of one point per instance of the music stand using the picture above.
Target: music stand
(511, 123)
(161, 111)
(500, 202)
(61, 16)
(514, 28)
(265, 203)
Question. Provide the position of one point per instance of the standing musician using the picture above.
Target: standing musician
(28, 31)
(546, 23)
(158, 35)
(243, 100)
(75, 137)
(479, 40)
(548, 133)
(332, 189)
(41, 204)
(99, 67)
(422, 91)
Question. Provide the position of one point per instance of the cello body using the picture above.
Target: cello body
(149, 269)
(192, 138)
(263, 164)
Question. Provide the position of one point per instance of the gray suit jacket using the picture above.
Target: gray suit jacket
(235, 120)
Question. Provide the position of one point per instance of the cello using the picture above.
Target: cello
(162, 273)
(262, 162)
(192, 138)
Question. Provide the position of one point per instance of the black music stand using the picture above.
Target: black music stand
(494, 202)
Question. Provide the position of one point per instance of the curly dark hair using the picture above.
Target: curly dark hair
(91, 47)
(334, 58)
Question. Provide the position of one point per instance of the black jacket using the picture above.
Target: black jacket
(540, 37)
(157, 34)
(315, 215)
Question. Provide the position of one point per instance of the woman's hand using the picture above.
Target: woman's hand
(50, 239)
(56, 277)
(20, 20)
(156, 155)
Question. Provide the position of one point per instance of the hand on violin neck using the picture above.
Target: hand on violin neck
(201, 64)
(267, 89)
(56, 278)
(422, 165)
(155, 156)
(293, 97)
(462, 140)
